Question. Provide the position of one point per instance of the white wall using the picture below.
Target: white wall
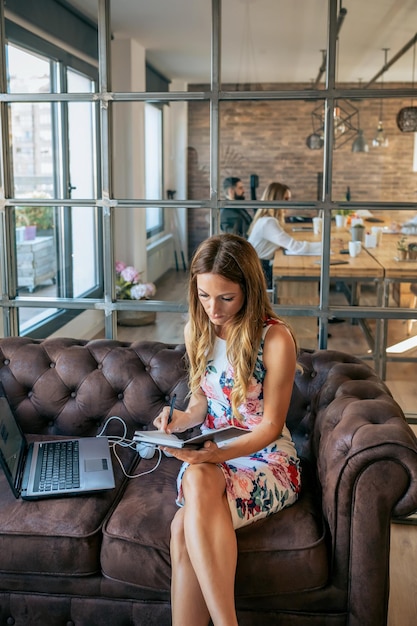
(154, 257)
(128, 74)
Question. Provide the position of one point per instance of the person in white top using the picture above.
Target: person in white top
(266, 233)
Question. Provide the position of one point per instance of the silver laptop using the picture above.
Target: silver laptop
(51, 468)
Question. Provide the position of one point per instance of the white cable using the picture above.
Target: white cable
(135, 475)
(125, 443)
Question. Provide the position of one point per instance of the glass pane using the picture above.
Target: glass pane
(265, 45)
(284, 157)
(385, 172)
(27, 72)
(179, 56)
(361, 58)
(84, 250)
(30, 317)
(36, 257)
(32, 149)
(82, 184)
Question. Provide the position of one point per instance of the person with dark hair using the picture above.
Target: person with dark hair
(234, 220)
(242, 362)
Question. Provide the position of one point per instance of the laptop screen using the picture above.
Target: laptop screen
(12, 441)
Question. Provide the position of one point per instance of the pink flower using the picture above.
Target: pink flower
(143, 290)
(120, 266)
(253, 406)
(130, 275)
(129, 284)
(243, 486)
(254, 389)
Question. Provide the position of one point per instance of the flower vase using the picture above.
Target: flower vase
(136, 318)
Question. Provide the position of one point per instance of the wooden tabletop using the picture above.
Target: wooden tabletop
(387, 255)
(363, 266)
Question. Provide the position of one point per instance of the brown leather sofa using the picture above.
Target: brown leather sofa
(103, 560)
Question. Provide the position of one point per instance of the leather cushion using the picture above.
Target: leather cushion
(60, 536)
(283, 553)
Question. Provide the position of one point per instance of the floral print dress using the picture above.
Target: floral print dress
(268, 480)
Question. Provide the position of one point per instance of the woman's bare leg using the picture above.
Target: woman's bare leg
(187, 602)
(211, 540)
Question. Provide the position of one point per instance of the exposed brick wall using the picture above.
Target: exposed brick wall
(269, 139)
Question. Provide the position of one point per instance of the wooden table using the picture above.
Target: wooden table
(296, 277)
(396, 272)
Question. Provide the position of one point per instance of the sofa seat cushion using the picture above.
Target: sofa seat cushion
(284, 553)
(56, 536)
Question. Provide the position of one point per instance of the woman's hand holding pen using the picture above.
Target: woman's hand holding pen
(172, 420)
(165, 418)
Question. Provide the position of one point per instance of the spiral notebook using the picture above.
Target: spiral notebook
(160, 438)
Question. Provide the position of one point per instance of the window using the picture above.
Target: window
(53, 155)
(153, 167)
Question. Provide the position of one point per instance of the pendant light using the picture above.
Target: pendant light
(380, 139)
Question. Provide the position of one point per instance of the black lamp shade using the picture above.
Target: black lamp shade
(407, 119)
(314, 142)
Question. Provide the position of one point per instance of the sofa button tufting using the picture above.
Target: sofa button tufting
(73, 394)
(313, 374)
(120, 396)
(70, 623)
(6, 361)
(52, 365)
(99, 366)
(10, 621)
(51, 423)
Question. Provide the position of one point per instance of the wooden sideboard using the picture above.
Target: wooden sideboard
(36, 262)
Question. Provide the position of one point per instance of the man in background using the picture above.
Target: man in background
(234, 220)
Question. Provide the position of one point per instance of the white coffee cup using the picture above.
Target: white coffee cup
(354, 249)
(370, 240)
(340, 220)
(317, 221)
(377, 231)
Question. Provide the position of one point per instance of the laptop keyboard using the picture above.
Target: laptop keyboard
(59, 466)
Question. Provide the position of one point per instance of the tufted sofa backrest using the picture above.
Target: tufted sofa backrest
(70, 387)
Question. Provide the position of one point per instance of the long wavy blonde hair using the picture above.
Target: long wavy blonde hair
(274, 191)
(235, 259)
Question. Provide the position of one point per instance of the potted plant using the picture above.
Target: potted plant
(412, 250)
(357, 231)
(35, 220)
(402, 248)
(130, 286)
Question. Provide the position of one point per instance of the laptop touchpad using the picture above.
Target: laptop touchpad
(95, 465)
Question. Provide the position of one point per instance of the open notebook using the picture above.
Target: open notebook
(46, 469)
(159, 438)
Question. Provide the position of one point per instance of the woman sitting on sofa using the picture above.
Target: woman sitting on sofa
(266, 233)
(242, 364)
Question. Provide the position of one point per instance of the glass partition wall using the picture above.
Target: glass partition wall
(118, 154)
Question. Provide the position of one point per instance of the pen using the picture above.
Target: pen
(171, 407)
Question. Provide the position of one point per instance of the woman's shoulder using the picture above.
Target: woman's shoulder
(277, 330)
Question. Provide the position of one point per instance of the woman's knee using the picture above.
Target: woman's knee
(203, 478)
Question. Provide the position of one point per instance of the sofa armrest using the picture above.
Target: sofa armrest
(361, 426)
(367, 468)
